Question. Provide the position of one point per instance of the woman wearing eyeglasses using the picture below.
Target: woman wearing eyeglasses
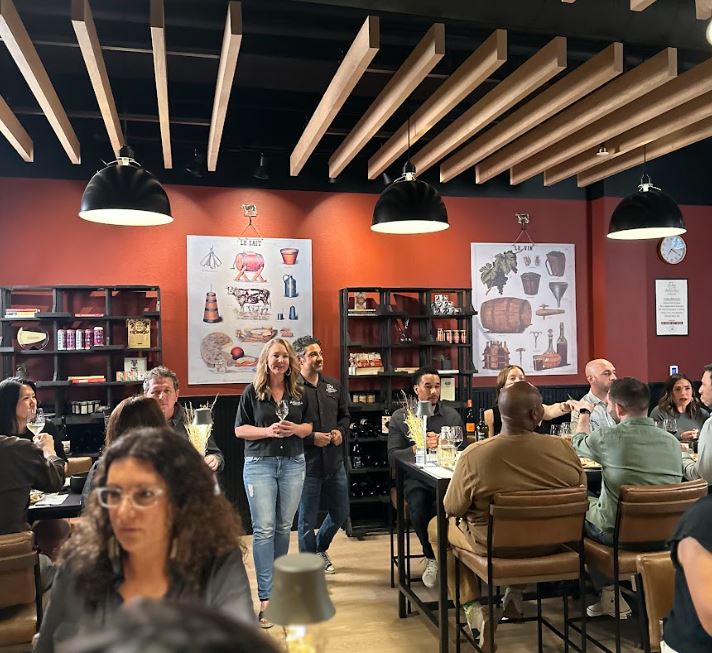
(153, 528)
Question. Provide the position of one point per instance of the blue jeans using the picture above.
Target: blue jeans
(274, 486)
(335, 491)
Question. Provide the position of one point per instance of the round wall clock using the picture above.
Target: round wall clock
(672, 249)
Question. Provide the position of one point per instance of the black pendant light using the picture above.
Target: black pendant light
(647, 214)
(409, 205)
(125, 193)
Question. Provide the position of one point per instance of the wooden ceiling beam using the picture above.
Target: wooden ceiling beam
(640, 5)
(480, 65)
(589, 76)
(19, 44)
(15, 133)
(624, 89)
(419, 63)
(88, 40)
(688, 86)
(160, 72)
(670, 121)
(678, 139)
(703, 9)
(537, 70)
(352, 67)
(232, 38)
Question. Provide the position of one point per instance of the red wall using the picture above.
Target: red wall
(45, 242)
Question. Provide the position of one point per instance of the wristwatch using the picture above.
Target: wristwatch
(584, 411)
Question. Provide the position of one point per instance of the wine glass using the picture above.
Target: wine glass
(282, 410)
(456, 436)
(36, 422)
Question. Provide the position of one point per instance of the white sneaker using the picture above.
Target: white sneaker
(328, 566)
(513, 603)
(478, 620)
(430, 575)
(606, 605)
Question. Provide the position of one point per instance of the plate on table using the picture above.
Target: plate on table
(587, 463)
(35, 496)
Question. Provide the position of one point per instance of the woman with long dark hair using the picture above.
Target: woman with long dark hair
(274, 456)
(153, 528)
(679, 403)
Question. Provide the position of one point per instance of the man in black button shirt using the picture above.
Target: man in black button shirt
(688, 627)
(420, 497)
(161, 383)
(324, 452)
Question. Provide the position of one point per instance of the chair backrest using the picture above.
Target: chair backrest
(536, 519)
(650, 513)
(658, 576)
(17, 569)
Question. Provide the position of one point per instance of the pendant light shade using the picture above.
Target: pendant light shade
(409, 206)
(647, 214)
(125, 193)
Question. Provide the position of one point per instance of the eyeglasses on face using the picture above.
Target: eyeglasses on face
(140, 497)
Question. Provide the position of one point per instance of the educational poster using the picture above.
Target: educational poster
(243, 292)
(525, 296)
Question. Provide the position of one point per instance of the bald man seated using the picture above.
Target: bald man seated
(515, 460)
(600, 374)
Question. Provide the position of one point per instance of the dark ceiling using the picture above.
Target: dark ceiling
(290, 50)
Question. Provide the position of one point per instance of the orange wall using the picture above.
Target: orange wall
(45, 242)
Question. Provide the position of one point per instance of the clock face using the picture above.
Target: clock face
(672, 249)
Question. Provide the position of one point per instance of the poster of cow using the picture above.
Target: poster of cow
(243, 292)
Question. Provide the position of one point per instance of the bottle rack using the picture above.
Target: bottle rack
(400, 328)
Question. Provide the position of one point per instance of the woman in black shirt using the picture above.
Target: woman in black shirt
(274, 456)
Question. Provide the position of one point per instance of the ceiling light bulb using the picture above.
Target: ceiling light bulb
(708, 33)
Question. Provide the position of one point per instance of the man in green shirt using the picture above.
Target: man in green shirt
(634, 452)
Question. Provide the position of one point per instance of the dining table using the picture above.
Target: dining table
(54, 505)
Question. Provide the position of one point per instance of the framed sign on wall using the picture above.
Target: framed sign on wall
(671, 307)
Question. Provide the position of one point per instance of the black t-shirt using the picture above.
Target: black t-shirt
(263, 413)
(683, 630)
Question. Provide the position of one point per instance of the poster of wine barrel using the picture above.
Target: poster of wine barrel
(525, 296)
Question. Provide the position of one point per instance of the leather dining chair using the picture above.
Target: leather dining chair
(20, 592)
(656, 577)
(533, 537)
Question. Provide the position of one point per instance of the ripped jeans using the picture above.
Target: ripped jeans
(273, 485)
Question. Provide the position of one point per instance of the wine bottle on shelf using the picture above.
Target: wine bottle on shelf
(482, 431)
(385, 421)
(354, 430)
(356, 458)
(470, 419)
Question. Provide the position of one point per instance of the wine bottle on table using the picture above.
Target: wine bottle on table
(482, 432)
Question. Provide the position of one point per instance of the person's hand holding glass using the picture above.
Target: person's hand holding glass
(283, 428)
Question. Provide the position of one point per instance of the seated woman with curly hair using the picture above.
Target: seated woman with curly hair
(153, 528)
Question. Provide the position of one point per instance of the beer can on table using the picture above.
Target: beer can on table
(70, 339)
(79, 339)
(61, 339)
(88, 338)
(98, 336)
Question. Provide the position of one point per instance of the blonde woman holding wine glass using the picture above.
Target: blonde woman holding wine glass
(273, 419)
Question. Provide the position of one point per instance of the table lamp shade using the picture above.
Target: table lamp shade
(424, 409)
(299, 594)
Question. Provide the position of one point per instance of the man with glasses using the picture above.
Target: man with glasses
(161, 384)
(420, 497)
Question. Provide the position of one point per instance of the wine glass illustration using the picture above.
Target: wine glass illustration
(282, 410)
(36, 422)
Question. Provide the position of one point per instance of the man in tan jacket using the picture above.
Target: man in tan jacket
(515, 460)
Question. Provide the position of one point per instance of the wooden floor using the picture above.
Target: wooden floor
(366, 619)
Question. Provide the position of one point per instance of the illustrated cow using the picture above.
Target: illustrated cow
(257, 299)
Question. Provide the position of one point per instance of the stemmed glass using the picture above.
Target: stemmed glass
(455, 436)
(36, 422)
(282, 410)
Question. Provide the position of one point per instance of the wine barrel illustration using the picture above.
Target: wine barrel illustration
(506, 315)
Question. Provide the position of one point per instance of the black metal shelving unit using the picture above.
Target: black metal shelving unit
(375, 330)
(64, 307)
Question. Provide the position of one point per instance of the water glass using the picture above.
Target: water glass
(554, 429)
